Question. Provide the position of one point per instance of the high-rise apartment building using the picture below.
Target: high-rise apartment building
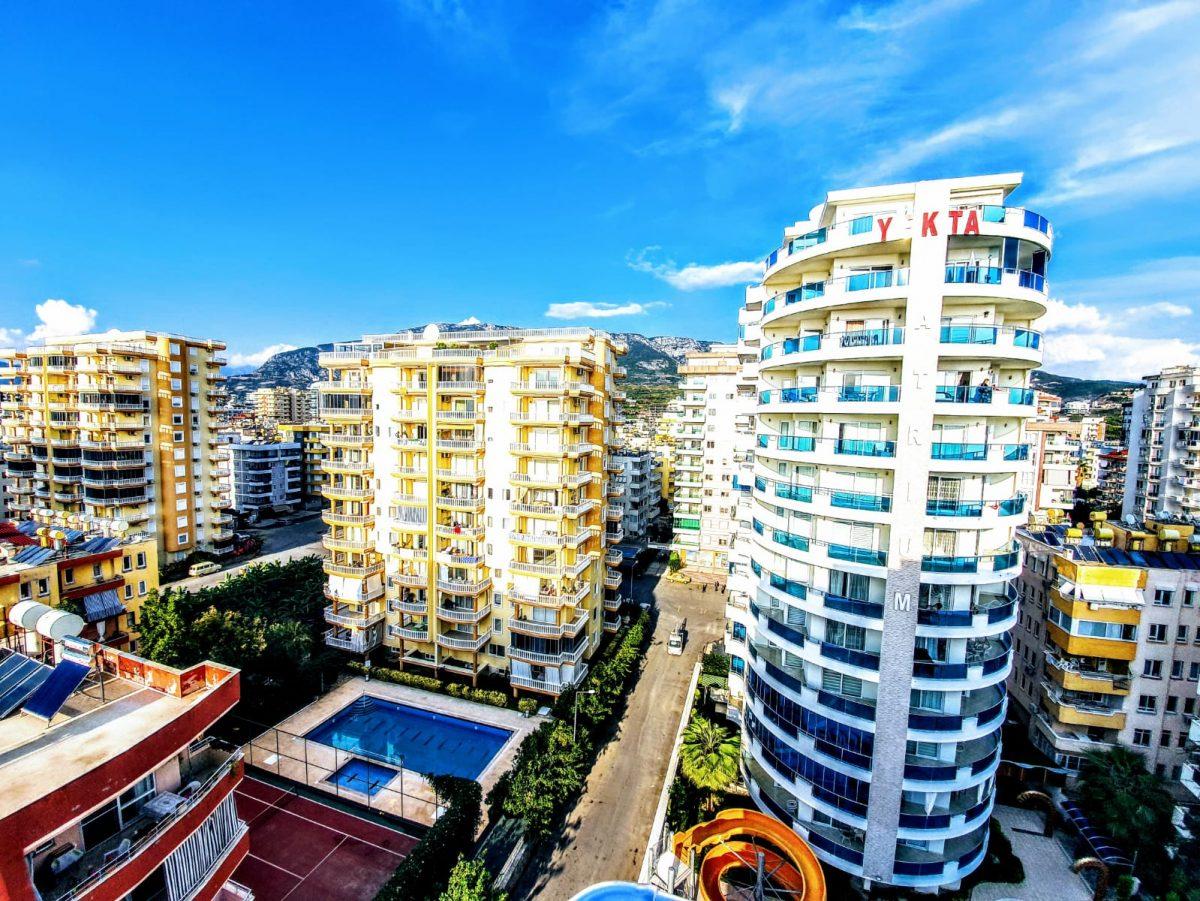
(896, 330)
(265, 479)
(470, 527)
(1065, 457)
(636, 488)
(712, 443)
(279, 405)
(1108, 642)
(1163, 437)
(313, 453)
(119, 428)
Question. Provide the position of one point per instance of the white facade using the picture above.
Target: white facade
(896, 342)
(1162, 475)
(265, 478)
(636, 489)
(712, 445)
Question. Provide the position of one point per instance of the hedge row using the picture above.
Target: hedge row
(424, 873)
(552, 764)
(428, 683)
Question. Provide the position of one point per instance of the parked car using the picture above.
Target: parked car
(204, 568)
(676, 641)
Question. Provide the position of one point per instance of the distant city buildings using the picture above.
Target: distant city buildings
(283, 405)
(310, 436)
(895, 332)
(713, 441)
(1065, 456)
(119, 428)
(1162, 476)
(636, 488)
(265, 479)
(470, 513)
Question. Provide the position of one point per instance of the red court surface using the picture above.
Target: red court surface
(303, 849)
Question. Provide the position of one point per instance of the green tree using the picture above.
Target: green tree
(470, 881)
(165, 629)
(708, 757)
(1132, 805)
(674, 563)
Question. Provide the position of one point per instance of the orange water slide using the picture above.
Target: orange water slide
(726, 842)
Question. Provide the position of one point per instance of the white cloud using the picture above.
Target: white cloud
(11, 337)
(29, 262)
(898, 16)
(257, 358)
(1082, 340)
(471, 320)
(581, 309)
(695, 277)
(1162, 308)
(60, 319)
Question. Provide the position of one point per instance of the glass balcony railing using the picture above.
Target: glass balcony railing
(872, 337)
(943, 507)
(990, 334)
(936, 563)
(863, 447)
(855, 281)
(856, 500)
(953, 450)
(843, 393)
(963, 394)
(787, 442)
(857, 554)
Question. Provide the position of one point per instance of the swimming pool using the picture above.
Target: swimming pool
(418, 740)
(362, 776)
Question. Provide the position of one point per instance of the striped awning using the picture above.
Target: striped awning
(102, 605)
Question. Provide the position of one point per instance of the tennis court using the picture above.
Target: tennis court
(301, 849)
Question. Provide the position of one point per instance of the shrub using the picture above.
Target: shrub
(674, 563)
(425, 872)
(527, 706)
(428, 683)
(715, 663)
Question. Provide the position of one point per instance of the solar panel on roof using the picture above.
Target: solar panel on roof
(1052, 539)
(102, 605)
(20, 676)
(34, 555)
(73, 534)
(53, 693)
(28, 528)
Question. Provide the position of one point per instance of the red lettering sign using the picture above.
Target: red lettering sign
(972, 226)
(929, 224)
(884, 225)
(954, 215)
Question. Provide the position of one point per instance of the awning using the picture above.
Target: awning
(1110, 594)
(102, 605)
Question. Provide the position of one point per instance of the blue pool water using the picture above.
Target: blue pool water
(361, 776)
(429, 743)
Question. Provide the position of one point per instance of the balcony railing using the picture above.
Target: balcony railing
(840, 393)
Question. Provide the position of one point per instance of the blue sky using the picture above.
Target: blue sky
(281, 174)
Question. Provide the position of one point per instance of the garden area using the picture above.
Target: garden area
(266, 620)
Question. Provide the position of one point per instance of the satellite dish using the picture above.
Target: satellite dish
(120, 525)
(431, 332)
(1130, 520)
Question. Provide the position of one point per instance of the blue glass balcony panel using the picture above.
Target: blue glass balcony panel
(969, 334)
(869, 393)
(963, 394)
(872, 337)
(1027, 338)
(943, 450)
(884, 278)
(856, 607)
(1016, 452)
(972, 274)
(1023, 396)
(863, 447)
(864, 659)
(857, 554)
(935, 507)
(936, 564)
(855, 500)
(788, 586)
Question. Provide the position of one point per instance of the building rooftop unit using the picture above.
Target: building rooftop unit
(1157, 544)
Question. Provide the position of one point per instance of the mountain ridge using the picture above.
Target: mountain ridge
(652, 360)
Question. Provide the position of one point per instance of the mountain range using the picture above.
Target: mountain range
(650, 361)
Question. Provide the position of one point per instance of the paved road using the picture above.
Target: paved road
(281, 543)
(607, 831)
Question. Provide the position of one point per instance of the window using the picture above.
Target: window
(1189, 597)
(126, 564)
(117, 813)
(43, 587)
(1147, 704)
(739, 632)
(128, 592)
(1194, 672)
(142, 587)
(97, 572)
(1152, 669)
(1141, 738)
(1164, 739)
(69, 577)
(1162, 597)
(496, 650)
(141, 560)
(1181, 634)
(1177, 669)
(1158, 633)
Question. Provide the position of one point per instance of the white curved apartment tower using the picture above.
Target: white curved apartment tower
(896, 342)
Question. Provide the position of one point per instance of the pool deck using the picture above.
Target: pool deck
(285, 751)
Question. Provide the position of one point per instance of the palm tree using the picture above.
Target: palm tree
(708, 757)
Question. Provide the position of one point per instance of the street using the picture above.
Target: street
(607, 831)
(299, 539)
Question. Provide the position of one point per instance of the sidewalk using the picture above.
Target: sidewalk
(1048, 875)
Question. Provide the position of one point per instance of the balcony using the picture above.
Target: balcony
(340, 439)
(332, 518)
(459, 444)
(546, 687)
(463, 587)
(345, 414)
(461, 475)
(459, 386)
(456, 640)
(351, 618)
(409, 633)
(613, 603)
(546, 629)
(338, 543)
(352, 467)
(612, 579)
(611, 623)
(842, 394)
(450, 502)
(354, 570)
(342, 493)
(357, 642)
(1071, 675)
(552, 597)
(463, 614)
(1073, 711)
